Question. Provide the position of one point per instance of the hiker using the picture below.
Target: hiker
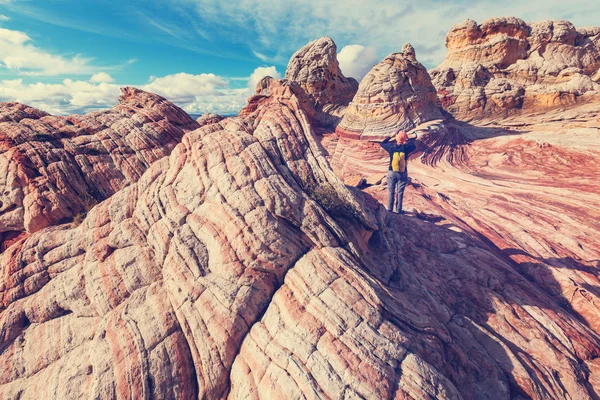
(397, 176)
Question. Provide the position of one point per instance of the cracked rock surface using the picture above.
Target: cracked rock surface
(54, 168)
(240, 266)
(505, 65)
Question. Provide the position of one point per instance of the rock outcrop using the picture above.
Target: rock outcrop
(209, 118)
(505, 64)
(396, 94)
(240, 266)
(56, 168)
(316, 70)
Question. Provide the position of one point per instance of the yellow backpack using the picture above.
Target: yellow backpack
(398, 162)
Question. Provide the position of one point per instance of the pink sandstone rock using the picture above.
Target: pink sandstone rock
(505, 65)
(209, 118)
(396, 94)
(316, 70)
(240, 266)
(55, 168)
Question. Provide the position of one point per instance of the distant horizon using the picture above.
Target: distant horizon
(64, 57)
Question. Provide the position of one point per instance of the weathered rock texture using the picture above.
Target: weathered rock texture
(316, 70)
(240, 266)
(54, 168)
(505, 65)
(209, 118)
(396, 94)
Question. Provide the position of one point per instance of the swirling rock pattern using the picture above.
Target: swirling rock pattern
(54, 168)
(396, 94)
(241, 267)
(316, 70)
(505, 65)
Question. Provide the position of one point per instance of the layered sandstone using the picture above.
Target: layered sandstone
(209, 118)
(396, 94)
(505, 64)
(316, 70)
(55, 168)
(240, 266)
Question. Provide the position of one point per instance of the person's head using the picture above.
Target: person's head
(401, 137)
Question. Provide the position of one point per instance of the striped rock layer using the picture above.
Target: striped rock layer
(396, 94)
(242, 267)
(505, 65)
(55, 168)
(315, 69)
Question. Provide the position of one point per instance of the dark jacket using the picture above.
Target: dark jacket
(393, 147)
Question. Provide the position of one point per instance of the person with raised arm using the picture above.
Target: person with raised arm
(399, 149)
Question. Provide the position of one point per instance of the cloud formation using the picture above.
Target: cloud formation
(278, 28)
(356, 60)
(196, 94)
(60, 98)
(16, 53)
(260, 73)
(101, 77)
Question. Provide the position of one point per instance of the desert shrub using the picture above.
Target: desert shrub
(330, 200)
(80, 216)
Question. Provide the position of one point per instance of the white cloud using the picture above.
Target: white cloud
(194, 93)
(17, 54)
(4, 17)
(184, 88)
(60, 98)
(356, 60)
(101, 77)
(260, 73)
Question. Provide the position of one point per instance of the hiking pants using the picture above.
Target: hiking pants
(396, 182)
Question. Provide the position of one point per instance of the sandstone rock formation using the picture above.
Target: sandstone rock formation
(316, 70)
(54, 168)
(240, 266)
(396, 94)
(505, 64)
(209, 118)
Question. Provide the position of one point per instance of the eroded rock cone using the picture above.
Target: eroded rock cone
(396, 94)
(504, 65)
(55, 168)
(316, 70)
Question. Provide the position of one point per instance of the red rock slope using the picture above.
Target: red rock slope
(54, 168)
(240, 266)
(504, 65)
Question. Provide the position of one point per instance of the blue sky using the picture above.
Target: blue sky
(69, 56)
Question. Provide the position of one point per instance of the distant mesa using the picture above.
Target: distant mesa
(504, 65)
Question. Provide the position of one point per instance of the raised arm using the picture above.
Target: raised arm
(386, 145)
(411, 145)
